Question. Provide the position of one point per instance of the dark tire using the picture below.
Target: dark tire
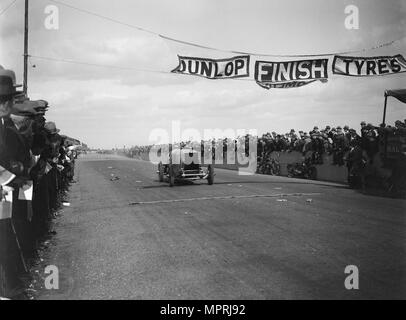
(312, 173)
(160, 172)
(171, 176)
(210, 178)
(352, 182)
(290, 170)
(277, 169)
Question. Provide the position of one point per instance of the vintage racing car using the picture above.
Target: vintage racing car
(184, 164)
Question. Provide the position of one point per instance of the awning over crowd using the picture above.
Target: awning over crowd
(399, 94)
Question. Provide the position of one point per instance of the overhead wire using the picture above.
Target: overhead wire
(53, 59)
(2, 11)
(188, 43)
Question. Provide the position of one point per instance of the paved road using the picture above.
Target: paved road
(221, 247)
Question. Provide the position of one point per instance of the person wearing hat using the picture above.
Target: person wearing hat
(398, 124)
(19, 139)
(400, 128)
(10, 162)
(24, 115)
(317, 145)
(7, 94)
(50, 127)
(51, 155)
(9, 137)
(370, 143)
(315, 131)
(364, 128)
(307, 142)
(7, 90)
(331, 132)
(26, 108)
(340, 146)
(347, 132)
(42, 148)
(355, 139)
(356, 165)
(18, 135)
(298, 143)
(327, 142)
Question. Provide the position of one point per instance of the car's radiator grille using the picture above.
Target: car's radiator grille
(191, 166)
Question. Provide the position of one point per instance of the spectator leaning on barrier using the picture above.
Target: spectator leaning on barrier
(51, 153)
(400, 127)
(9, 256)
(340, 146)
(41, 207)
(347, 132)
(363, 128)
(327, 131)
(32, 153)
(7, 94)
(355, 139)
(14, 146)
(343, 145)
(317, 145)
(23, 115)
(370, 142)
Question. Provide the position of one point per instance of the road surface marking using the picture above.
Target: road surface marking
(227, 197)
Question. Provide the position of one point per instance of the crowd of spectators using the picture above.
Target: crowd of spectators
(36, 167)
(335, 141)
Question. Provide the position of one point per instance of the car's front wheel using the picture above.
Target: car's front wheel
(171, 176)
(210, 177)
(161, 172)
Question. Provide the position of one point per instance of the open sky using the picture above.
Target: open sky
(112, 107)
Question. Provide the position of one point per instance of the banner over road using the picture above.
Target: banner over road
(235, 67)
(290, 74)
(368, 66)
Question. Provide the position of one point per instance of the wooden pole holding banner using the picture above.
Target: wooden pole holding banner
(384, 109)
(25, 76)
(385, 134)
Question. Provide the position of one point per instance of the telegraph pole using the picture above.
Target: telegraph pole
(25, 49)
